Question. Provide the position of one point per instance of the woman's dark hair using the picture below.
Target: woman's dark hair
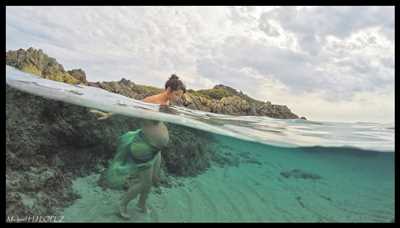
(175, 84)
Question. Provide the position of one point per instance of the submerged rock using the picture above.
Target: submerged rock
(300, 174)
(298, 198)
(188, 152)
(37, 193)
(49, 143)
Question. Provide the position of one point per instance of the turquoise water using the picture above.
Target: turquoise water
(289, 170)
(334, 185)
(354, 185)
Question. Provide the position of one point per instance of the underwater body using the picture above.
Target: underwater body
(280, 170)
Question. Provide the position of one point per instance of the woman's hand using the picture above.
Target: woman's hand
(101, 115)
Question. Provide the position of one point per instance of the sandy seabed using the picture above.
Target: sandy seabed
(251, 193)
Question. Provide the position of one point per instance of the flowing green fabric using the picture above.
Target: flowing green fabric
(121, 167)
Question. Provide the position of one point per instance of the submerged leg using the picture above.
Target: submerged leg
(157, 170)
(145, 190)
(133, 191)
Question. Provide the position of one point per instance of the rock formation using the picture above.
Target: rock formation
(48, 143)
(38, 63)
(220, 99)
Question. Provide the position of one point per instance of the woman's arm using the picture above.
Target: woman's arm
(101, 115)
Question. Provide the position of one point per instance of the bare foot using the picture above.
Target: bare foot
(144, 210)
(157, 183)
(123, 212)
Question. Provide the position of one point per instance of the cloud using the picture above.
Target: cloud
(377, 106)
(332, 55)
(309, 24)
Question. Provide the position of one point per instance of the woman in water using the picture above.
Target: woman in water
(138, 158)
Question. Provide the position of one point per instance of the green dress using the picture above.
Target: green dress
(126, 163)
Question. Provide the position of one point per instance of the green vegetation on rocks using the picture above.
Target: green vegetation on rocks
(38, 63)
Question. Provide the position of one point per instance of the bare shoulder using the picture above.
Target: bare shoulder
(151, 99)
(155, 99)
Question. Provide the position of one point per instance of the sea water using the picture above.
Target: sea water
(291, 170)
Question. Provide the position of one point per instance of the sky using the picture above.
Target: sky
(325, 63)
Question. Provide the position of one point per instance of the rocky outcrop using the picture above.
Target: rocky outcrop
(48, 143)
(275, 111)
(38, 63)
(127, 88)
(220, 99)
(226, 100)
(235, 105)
(78, 74)
(246, 105)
